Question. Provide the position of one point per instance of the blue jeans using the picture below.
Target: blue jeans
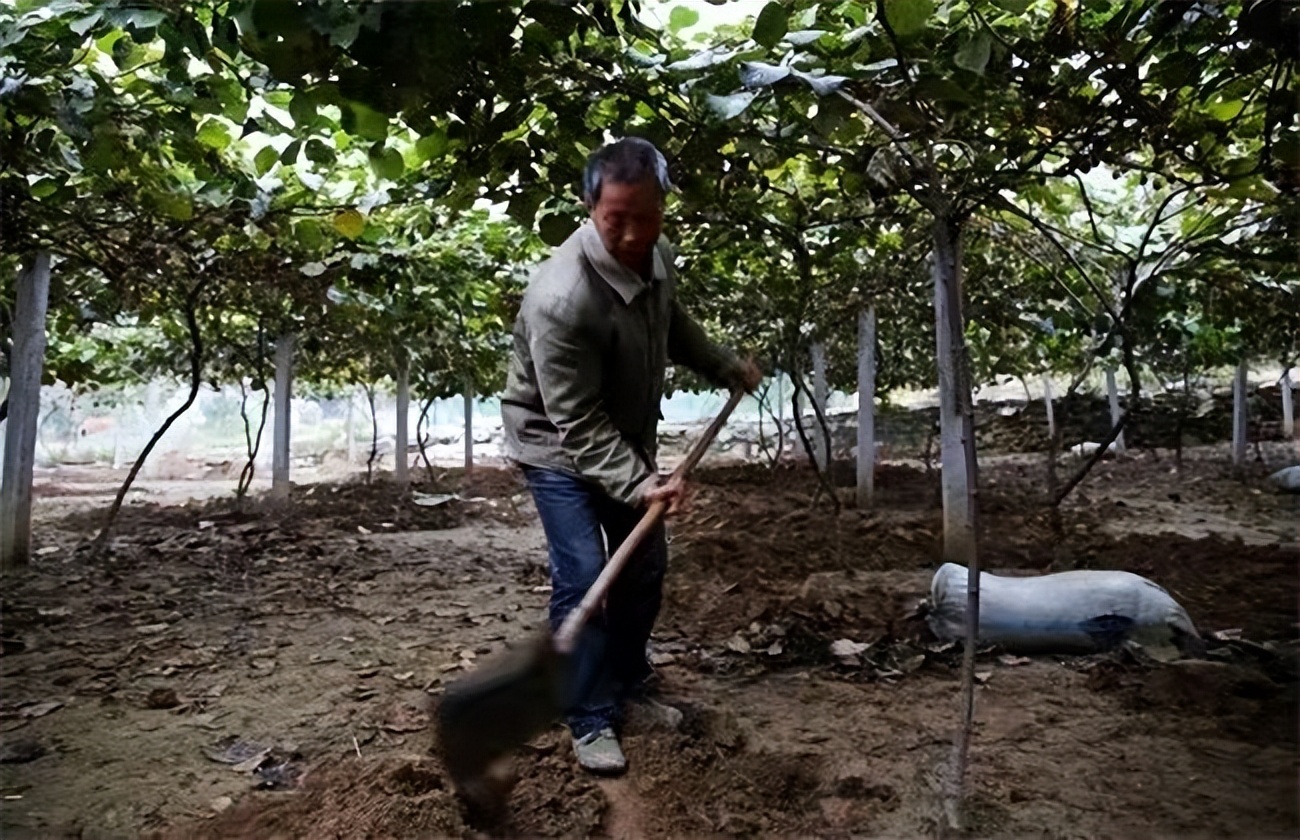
(610, 657)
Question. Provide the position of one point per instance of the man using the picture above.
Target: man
(597, 326)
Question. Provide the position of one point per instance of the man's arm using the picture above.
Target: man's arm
(569, 372)
(689, 345)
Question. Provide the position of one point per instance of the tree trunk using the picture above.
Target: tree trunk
(24, 397)
(351, 430)
(1288, 406)
(196, 381)
(252, 443)
(866, 407)
(374, 433)
(469, 427)
(780, 413)
(280, 432)
(1051, 410)
(422, 439)
(958, 477)
(1182, 419)
(1112, 394)
(1239, 416)
(957, 473)
(401, 472)
(820, 450)
(824, 484)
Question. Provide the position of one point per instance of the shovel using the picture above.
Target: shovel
(502, 705)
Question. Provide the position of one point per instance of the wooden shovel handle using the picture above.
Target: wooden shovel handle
(577, 619)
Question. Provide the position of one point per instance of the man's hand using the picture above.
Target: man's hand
(673, 491)
(749, 376)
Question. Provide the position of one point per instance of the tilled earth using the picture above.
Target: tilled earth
(271, 672)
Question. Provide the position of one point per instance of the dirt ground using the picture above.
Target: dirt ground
(270, 673)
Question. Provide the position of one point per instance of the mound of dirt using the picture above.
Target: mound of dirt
(395, 797)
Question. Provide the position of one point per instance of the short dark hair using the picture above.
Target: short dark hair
(627, 161)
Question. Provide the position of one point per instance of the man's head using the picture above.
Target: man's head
(624, 187)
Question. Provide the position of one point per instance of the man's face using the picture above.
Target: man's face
(629, 218)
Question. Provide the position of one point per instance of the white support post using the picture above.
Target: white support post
(1239, 415)
(866, 463)
(1112, 394)
(27, 361)
(280, 433)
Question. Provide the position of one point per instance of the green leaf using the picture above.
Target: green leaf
(44, 188)
(432, 145)
(265, 159)
(554, 228)
(974, 54)
(681, 18)
(944, 90)
(804, 37)
(109, 40)
(1254, 187)
(807, 19)
(83, 25)
(386, 163)
(1224, 111)
(349, 223)
(290, 156)
(908, 17)
(302, 109)
(729, 107)
(772, 24)
(1287, 149)
(365, 121)
(174, 205)
(214, 135)
(1016, 7)
(523, 207)
(309, 234)
(318, 151)
(144, 18)
(755, 74)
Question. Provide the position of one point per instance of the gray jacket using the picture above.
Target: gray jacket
(587, 370)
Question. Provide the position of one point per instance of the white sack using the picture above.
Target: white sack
(1287, 479)
(1067, 612)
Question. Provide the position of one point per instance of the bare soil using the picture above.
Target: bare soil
(271, 672)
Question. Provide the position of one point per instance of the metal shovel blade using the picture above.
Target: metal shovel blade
(502, 705)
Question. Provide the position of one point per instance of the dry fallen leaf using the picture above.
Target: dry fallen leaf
(912, 663)
(738, 644)
(406, 718)
(150, 629)
(40, 709)
(847, 647)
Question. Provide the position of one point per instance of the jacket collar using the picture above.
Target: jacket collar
(622, 279)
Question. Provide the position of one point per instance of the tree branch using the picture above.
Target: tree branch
(1083, 471)
(1047, 231)
(1087, 203)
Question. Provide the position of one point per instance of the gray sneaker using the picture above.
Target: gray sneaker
(599, 752)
